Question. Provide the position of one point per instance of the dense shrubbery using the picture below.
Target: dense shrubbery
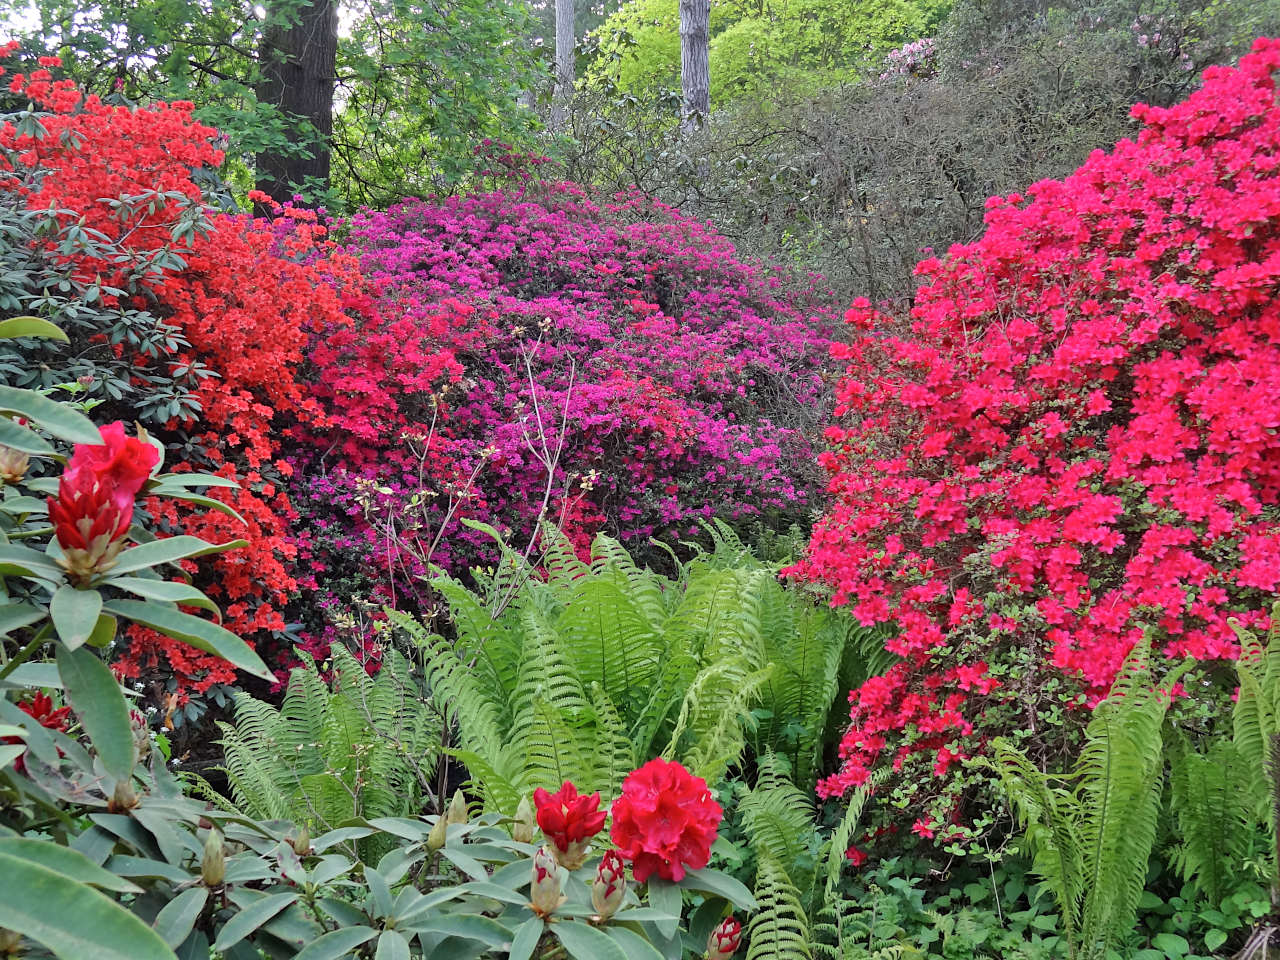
(535, 353)
(1073, 443)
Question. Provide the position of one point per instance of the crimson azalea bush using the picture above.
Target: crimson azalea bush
(226, 295)
(534, 346)
(1075, 439)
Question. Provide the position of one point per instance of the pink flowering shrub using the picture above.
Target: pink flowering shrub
(669, 381)
(1076, 438)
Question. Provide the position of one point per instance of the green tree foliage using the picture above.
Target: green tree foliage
(418, 84)
(755, 44)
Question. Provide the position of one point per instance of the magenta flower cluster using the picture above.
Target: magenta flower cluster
(669, 380)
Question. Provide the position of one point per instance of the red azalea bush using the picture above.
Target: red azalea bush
(664, 821)
(611, 360)
(225, 295)
(1076, 439)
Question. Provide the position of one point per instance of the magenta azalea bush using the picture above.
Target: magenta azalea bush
(612, 365)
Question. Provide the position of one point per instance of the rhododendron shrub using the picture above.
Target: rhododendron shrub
(1076, 438)
(610, 364)
(227, 295)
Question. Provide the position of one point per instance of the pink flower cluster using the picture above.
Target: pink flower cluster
(683, 381)
(1078, 437)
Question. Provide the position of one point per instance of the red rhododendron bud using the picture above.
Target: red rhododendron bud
(665, 820)
(569, 821)
(610, 886)
(13, 464)
(544, 891)
(724, 939)
(94, 506)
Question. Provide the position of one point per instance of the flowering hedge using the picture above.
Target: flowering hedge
(1077, 437)
(237, 303)
(668, 380)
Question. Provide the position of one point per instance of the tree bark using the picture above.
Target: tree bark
(565, 45)
(298, 63)
(695, 64)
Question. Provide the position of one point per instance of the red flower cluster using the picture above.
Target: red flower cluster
(569, 821)
(664, 821)
(40, 708)
(94, 506)
(1078, 437)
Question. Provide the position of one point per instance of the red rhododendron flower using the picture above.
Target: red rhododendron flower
(94, 506)
(664, 821)
(567, 818)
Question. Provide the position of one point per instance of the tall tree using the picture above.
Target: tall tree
(299, 52)
(695, 62)
(566, 42)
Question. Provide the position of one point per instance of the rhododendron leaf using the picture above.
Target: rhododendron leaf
(587, 943)
(168, 481)
(526, 939)
(24, 561)
(34, 675)
(199, 633)
(392, 946)
(70, 863)
(340, 943)
(176, 920)
(10, 752)
(251, 918)
(39, 902)
(95, 695)
(168, 551)
(198, 500)
(14, 616)
(666, 900)
(168, 590)
(23, 438)
(721, 885)
(74, 614)
(104, 631)
(467, 926)
(58, 418)
(635, 946)
(31, 327)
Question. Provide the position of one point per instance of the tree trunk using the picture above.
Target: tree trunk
(695, 67)
(565, 43)
(298, 63)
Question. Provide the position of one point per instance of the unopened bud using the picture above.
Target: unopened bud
(213, 866)
(523, 829)
(724, 939)
(436, 838)
(610, 885)
(123, 798)
(544, 891)
(457, 809)
(301, 841)
(13, 464)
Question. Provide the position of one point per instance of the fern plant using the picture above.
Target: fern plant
(590, 670)
(359, 746)
(1091, 832)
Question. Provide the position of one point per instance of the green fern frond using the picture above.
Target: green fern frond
(779, 929)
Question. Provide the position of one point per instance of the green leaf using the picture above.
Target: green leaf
(665, 898)
(104, 631)
(1214, 939)
(169, 591)
(1172, 944)
(31, 327)
(25, 562)
(73, 920)
(72, 864)
(251, 918)
(99, 703)
(587, 943)
(200, 634)
(469, 927)
(337, 944)
(10, 752)
(23, 438)
(635, 946)
(526, 939)
(392, 946)
(58, 418)
(181, 480)
(178, 918)
(721, 885)
(29, 675)
(15, 616)
(75, 614)
(167, 551)
(201, 501)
